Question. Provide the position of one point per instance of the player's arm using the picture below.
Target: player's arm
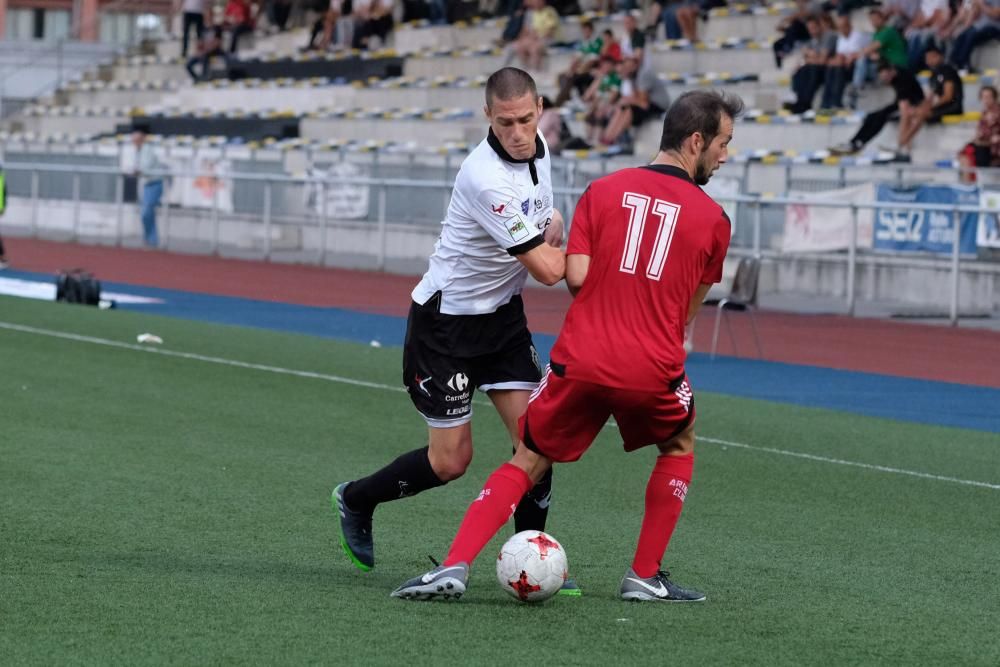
(696, 300)
(554, 233)
(713, 270)
(545, 263)
(576, 271)
(497, 210)
(578, 249)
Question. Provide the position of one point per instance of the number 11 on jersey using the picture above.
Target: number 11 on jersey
(638, 207)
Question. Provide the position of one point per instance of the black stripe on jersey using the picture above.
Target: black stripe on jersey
(522, 248)
(669, 170)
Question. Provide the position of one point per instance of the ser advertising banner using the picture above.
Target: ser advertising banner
(914, 230)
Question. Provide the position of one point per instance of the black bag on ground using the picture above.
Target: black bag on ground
(78, 286)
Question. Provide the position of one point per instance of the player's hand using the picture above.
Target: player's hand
(553, 234)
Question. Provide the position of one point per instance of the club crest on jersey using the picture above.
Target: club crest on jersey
(525, 205)
(518, 230)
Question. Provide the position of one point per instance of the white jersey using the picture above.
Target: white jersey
(497, 212)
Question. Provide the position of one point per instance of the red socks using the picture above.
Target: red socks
(488, 513)
(665, 492)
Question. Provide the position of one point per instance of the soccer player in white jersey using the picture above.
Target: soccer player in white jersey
(466, 328)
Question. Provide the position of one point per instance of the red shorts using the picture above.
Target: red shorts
(564, 416)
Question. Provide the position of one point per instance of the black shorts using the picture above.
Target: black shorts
(447, 357)
(939, 112)
(640, 115)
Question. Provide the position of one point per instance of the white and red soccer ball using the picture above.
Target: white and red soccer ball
(531, 566)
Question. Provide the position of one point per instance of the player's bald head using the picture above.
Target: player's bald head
(509, 83)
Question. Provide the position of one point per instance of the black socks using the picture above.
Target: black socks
(408, 475)
(534, 507)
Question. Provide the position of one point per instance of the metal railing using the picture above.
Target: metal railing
(272, 215)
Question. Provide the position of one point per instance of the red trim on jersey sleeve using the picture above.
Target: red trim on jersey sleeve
(722, 231)
(580, 231)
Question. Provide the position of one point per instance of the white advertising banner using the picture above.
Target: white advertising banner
(814, 228)
(988, 229)
(210, 184)
(344, 201)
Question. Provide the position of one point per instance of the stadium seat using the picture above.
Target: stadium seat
(742, 298)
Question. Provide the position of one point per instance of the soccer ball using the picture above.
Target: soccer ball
(531, 566)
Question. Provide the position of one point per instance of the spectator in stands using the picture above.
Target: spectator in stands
(601, 97)
(899, 13)
(984, 149)
(192, 16)
(322, 34)
(944, 99)
(239, 19)
(932, 17)
(372, 18)
(848, 64)
(679, 17)
(278, 12)
(794, 30)
(579, 75)
(812, 73)
(437, 12)
(209, 47)
(515, 13)
(147, 166)
(611, 47)
(963, 15)
(551, 125)
(908, 96)
(643, 97)
(887, 42)
(634, 43)
(541, 24)
(985, 27)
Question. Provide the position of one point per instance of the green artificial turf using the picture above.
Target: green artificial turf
(158, 509)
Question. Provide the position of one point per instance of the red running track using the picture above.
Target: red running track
(967, 356)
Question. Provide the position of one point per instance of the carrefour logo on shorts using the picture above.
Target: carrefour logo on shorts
(458, 382)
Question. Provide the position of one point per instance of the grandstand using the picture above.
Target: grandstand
(413, 107)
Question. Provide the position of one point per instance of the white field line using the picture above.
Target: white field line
(10, 326)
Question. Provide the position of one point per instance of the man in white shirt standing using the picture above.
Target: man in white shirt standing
(147, 166)
(466, 328)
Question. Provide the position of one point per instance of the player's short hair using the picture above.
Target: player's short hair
(990, 89)
(509, 82)
(697, 111)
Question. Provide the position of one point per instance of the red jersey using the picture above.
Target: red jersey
(652, 236)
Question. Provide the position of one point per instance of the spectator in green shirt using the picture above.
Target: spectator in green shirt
(887, 42)
(579, 74)
(887, 45)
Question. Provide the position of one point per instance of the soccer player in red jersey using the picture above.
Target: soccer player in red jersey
(644, 248)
